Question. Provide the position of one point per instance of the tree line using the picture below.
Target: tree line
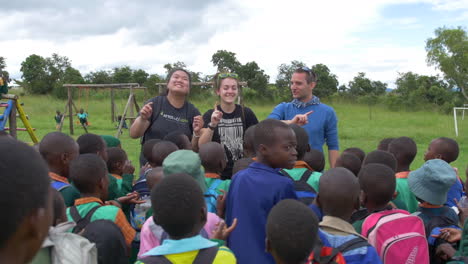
(447, 51)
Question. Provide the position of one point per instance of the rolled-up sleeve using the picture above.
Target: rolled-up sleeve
(331, 131)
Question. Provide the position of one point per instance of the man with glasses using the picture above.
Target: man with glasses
(319, 120)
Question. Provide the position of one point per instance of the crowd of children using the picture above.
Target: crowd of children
(79, 201)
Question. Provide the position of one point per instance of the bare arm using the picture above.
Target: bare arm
(197, 126)
(206, 136)
(207, 133)
(332, 157)
(142, 122)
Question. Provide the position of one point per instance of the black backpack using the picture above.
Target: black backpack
(81, 222)
(204, 256)
(304, 192)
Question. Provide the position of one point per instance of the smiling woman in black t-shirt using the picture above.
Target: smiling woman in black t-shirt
(164, 114)
(227, 122)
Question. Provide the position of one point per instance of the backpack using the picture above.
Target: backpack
(211, 196)
(329, 255)
(138, 212)
(204, 256)
(398, 236)
(304, 192)
(81, 222)
(59, 186)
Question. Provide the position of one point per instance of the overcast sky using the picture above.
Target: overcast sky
(380, 38)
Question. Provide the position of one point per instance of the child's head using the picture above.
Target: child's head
(381, 157)
(291, 232)
(88, 173)
(58, 150)
(116, 160)
(92, 144)
(350, 162)
(442, 148)
(383, 144)
(154, 176)
(185, 161)
(81, 110)
(148, 150)
(160, 152)
(59, 212)
(178, 206)
(249, 149)
(356, 151)
(378, 185)
(339, 193)
(432, 181)
(404, 149)
(111, 141)
(275, 144)
(213, 157)
(26, 201)
(180, 139)
(315, 159)
(302, 140)
(241, 164)
(58, 112)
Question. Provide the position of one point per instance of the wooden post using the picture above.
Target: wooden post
(70, 110)
(124, 115)
(132, 114)
(64, 114)
(12, 119)
(112, 105)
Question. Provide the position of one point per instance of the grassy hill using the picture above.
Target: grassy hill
(355, 127)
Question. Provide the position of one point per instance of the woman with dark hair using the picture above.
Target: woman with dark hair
(227, 122)
(168, 113)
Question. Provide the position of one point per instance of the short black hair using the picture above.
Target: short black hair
(350, 162)
(161, 150)
(86, 171)
(178, 138)
(24, 185)
(315, 159)
(356, 151)
(241, 164)
(384, 143)
(381, 157)
(148, 149)
(115, 155)
(91, 143)
(55, 143)
(339, 192)
(448, 148)
(177, 202)
(151, 176)
(378, 182)
(265, 132)
(404, 149)
(211, 155)
(291, 230)
(302, 140)
(311, 75)
(249, 139)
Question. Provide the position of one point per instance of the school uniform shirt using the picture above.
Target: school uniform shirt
(124, 183)
(150, 235)
(322, 125)
(404, 193)
(252, 194)
(299, 168)
(425, 211)
(210, 178)
(105, 212)
(185, 250)
(69, 193)
(230, 132)
(335, 231)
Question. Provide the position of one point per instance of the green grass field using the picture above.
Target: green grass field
(355, 128)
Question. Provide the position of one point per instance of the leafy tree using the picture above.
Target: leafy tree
(35, 76)
(255, 77)
(448, 51)
(3, 67)
(56, 66)
(151, 83)
(327, 82)
(99, 77)
(70, 75)
(225, 60)
(178, 65)
(122, 75)
(361, 85)
(140, 76)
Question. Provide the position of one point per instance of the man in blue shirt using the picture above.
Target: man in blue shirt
(319, 120)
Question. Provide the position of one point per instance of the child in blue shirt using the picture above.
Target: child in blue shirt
(83, 117)
(255, 190)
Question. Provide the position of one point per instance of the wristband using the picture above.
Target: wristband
(211, 127)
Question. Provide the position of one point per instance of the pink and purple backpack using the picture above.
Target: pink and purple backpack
(398, 236)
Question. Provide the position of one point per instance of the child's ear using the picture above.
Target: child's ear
(262, 149)
(438, 156)
(362, 198)
(308, 148)
(203, 216)
(267, 245)
(222, 164)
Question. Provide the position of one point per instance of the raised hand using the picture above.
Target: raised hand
(197, 124)
(146, 111)
(301, 119)
(221, 204)
(128, 167)
(222, 232)
(131, 198)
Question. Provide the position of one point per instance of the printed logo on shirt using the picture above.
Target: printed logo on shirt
(173, 118)
(231, 132)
